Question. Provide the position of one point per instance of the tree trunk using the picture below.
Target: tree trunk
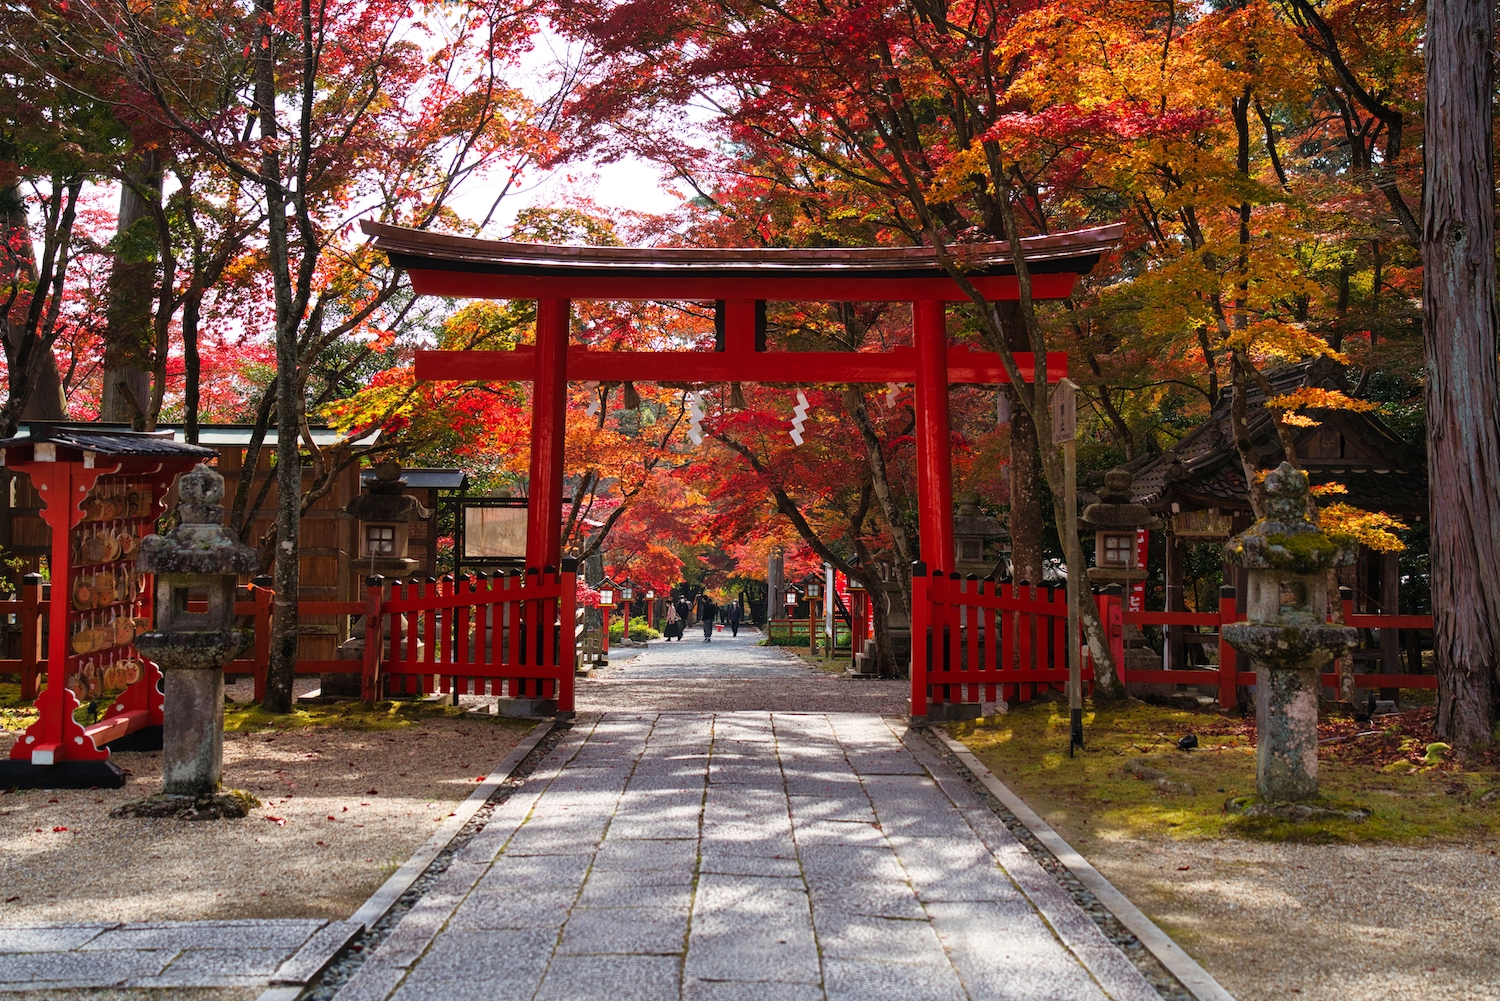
(283, 663)
(129, 338)
(1463, 386)
(44, 400)
(1025, 498)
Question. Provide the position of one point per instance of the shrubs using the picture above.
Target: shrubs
(639, 631)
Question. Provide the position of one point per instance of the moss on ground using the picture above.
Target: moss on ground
(251, 718)
(16, 715)
(1027, 749)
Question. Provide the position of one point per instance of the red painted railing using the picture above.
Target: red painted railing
(976, 640)
(503, 636)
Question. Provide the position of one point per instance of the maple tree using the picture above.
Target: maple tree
(319, 113)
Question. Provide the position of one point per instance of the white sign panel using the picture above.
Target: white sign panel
(494, 532)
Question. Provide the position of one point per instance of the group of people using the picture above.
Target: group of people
(681, 611)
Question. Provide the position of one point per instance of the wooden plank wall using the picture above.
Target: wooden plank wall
(325, 547)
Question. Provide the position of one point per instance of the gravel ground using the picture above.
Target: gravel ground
(341, 810)
(1353, 922)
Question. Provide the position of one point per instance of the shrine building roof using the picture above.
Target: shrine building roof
(1380, 470)
(61, 440)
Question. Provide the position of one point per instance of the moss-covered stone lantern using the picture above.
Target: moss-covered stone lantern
(1287, 636)
(191, 647)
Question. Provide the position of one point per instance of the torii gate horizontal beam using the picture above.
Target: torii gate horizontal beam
(705, 288)
(803, 367)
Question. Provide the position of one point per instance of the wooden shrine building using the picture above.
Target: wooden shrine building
(1198, 491)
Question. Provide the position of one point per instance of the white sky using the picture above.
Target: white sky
(629, 183)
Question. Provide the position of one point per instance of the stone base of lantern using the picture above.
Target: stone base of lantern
(193, 745)
(1286, 722)
(225, 805)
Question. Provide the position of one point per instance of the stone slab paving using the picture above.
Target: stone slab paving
(732, 673)
(724, 656)
(745, 855)
(166, 954)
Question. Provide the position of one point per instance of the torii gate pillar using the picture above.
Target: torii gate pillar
(549, 414)
(934, 442)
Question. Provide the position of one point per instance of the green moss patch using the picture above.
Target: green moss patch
(251, 718)
(1092, 794)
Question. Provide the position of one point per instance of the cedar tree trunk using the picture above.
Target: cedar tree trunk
(1463, 439)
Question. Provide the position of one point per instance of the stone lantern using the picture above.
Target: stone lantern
(191, 648)
(973, 531)
(1287, 637)
(1116, 522)
(384, 514)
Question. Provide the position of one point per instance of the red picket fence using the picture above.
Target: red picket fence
(977, 640)
(503, 636)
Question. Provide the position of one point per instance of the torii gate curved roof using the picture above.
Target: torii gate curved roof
(443, 264)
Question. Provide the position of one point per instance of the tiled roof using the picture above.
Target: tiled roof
(107, 442)
(1203, 470)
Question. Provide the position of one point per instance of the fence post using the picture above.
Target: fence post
(260, 653)
(921, 618)
(1228, 669)
(1344, 666)
(567, 610)
(370, 677)
(31, 634)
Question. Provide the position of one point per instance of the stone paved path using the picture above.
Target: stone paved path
(166, 954)
(728, 674)
(718, 857)
(724, 656)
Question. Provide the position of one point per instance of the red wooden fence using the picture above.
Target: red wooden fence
(975, 640)
(503, 636)
(477, 636)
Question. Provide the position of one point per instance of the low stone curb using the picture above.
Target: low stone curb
(380, 901)
(1182, 966)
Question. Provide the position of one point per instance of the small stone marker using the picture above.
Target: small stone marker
(191, 648)
(1288, 637)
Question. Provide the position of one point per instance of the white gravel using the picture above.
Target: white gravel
(350, 805)
(1416, 922)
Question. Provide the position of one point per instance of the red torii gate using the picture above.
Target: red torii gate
(741, 279)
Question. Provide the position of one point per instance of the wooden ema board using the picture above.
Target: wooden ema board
(97, 515)
(506, 636)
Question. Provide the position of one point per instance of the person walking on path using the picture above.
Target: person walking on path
(734, 617)
(706, 610)
(673, 623)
